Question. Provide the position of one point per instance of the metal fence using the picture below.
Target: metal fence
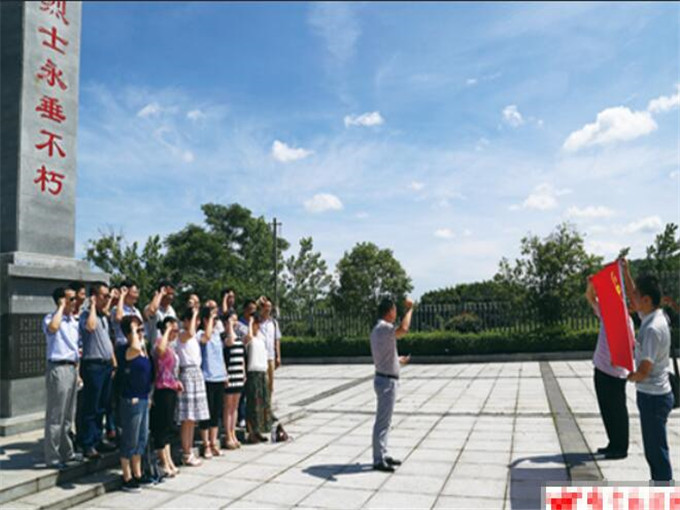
(469, 316)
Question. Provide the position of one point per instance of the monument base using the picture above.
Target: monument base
(26, 284)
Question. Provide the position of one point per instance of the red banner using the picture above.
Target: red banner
(609, 287)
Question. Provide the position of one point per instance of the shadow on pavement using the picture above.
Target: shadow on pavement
(527, 477)
(330, 471)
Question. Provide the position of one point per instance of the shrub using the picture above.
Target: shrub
(465, 322)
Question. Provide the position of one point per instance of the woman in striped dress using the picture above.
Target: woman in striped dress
(234, 357)
(193, 402)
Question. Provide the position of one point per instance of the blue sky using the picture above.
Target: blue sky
(443, 131)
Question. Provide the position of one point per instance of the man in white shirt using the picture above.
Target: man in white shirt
(61, 333)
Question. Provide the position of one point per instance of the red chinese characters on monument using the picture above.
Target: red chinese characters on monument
(52, 75)
(55, 8)
(50, 107)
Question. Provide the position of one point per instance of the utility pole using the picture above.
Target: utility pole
(275, 226)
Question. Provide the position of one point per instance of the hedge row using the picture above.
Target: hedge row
(451, 343)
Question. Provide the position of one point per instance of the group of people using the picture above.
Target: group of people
(145, 372)
(654, 394)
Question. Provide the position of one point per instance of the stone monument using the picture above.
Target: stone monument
(39, 63)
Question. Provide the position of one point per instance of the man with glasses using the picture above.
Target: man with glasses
(97, 368)
(61, 332)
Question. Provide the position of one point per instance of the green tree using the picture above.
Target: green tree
(663, 256)
(552, 271)
(489, 290)
(364, 275)
(113, 254)
(306, 279)
(233, 249)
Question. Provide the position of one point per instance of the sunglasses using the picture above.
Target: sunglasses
(140, 331)
(72, 299)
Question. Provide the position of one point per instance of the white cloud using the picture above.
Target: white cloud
(664, 104)
(195, 115)
(322, 202)
(648, 225)
(482, 143)
(444, 233)
(149, 110)
(417, 186)
(337, 24)
(285, 154)
(617, 124)
(674, 174)
(543, 197)
(365, 119)
(361, 215)
(604, 248)
(590, 211)
(188, 156)
(471, 81)
(467, 232)
(512, 117)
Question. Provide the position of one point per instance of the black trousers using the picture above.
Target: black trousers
(163, 417)
(215, 392)
(611, 398)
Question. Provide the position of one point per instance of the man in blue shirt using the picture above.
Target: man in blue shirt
(61, 332)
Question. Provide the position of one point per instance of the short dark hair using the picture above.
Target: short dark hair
(648, 285)
(248, 302)
(58, 293)
(226, 291)
(162, 325)
(165, 283)
(96, 287)
(188, 314)
(127, 323)
(385, 306)
(76, 286)
(129, 283)
(204, 314)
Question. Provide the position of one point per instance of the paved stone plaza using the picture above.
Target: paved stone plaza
(470, 435)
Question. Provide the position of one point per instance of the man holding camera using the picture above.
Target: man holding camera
(387, 362)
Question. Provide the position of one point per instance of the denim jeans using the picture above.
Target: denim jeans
(96, 394)
(134, 421)
(654, 411)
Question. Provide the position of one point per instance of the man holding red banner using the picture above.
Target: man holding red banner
(604, 293)
(651, 378)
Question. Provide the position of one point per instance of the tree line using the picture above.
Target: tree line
(233, 248)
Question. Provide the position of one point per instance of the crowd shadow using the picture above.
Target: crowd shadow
(331, 471)
(527, 480)
(25, 455)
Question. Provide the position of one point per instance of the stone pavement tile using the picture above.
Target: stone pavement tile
(254, 471)
(475, 487)
(461, 503)
(280, 494)
(341, 499)
(525, 490)
(16, 505)
(369, 480)
(247, 504)
(389, 500)
(192, 501)
(467, 470)
(183, 482)
(473, 456)
(432, 455)
(151, 499)
(537, 473)
(449, 444)
(228, 488)
(489, 446)
(281, 459)
(213, 467)
(414, 484)
(435, 469)
(299, 477)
